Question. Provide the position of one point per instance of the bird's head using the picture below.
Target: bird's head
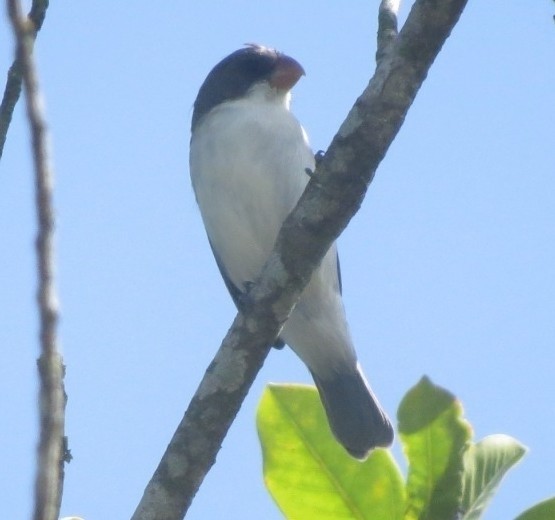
(243, 71)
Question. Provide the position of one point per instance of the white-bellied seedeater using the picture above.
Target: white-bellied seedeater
(249, 158)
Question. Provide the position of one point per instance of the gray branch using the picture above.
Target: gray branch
(387, 26)
(49, 477)
(12, 89)
(332, 197)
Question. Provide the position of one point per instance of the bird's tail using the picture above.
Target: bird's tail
(354, 414)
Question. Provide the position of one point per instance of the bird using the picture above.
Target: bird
(249, 162)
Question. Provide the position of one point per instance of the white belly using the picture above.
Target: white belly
(248, 171)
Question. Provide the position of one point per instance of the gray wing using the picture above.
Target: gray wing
(339, 276)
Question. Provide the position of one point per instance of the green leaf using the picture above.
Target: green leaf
(434, 437)
(309, 474)
(543, 511)
(485, 464)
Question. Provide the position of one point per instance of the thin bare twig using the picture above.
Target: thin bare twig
(51, 446)
(387, 26)
(332, 197)
(13, 83)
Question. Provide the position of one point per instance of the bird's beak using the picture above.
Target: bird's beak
(286, 73)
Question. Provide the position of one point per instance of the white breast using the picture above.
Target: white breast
(248, 161)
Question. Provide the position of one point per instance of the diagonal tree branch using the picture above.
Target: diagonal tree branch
(334, 194)
(48, 484)
(12, 90)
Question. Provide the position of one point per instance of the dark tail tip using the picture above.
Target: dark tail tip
(355, 416)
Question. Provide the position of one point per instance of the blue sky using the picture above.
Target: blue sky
(448, 268)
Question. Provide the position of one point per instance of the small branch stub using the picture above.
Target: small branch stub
(387, 26)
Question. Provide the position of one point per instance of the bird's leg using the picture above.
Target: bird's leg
(243, 298)
(318, 156)
(248, 285)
